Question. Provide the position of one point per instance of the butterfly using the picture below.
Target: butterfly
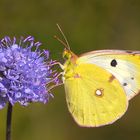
(99, 84)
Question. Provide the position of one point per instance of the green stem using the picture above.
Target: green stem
(8, 123)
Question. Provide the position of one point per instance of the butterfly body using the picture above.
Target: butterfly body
(99, 84)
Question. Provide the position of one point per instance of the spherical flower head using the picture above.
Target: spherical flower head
(25, 72)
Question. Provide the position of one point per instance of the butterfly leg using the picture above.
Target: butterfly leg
(58, 83)
(58, 63)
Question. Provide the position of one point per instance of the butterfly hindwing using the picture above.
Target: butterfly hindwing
(94, 96)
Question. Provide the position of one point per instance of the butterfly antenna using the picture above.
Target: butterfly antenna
(65, 44)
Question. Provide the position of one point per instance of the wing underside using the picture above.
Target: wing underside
(93, 99)
(124, 65)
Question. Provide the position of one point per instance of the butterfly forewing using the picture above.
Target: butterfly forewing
(124, 65)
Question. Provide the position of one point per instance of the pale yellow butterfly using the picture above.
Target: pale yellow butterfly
(99, 84)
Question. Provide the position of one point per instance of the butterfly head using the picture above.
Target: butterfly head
(66, 54)
(69, 55)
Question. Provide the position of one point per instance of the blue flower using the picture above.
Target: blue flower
(25, 72)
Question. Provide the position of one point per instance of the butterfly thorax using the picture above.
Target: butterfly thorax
(70, 64)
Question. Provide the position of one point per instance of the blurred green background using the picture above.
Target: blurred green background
(88, 25)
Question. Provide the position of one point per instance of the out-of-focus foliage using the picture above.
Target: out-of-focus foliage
(88, 25)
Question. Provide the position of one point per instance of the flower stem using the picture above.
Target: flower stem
(8, 123)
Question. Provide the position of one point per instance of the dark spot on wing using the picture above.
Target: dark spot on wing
(129, 52)
(113, 63)
(111, 78)
(124, 84)
(132, 52)
(132, 78)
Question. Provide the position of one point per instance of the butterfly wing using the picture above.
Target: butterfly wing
(124, 65)
(94, 96)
